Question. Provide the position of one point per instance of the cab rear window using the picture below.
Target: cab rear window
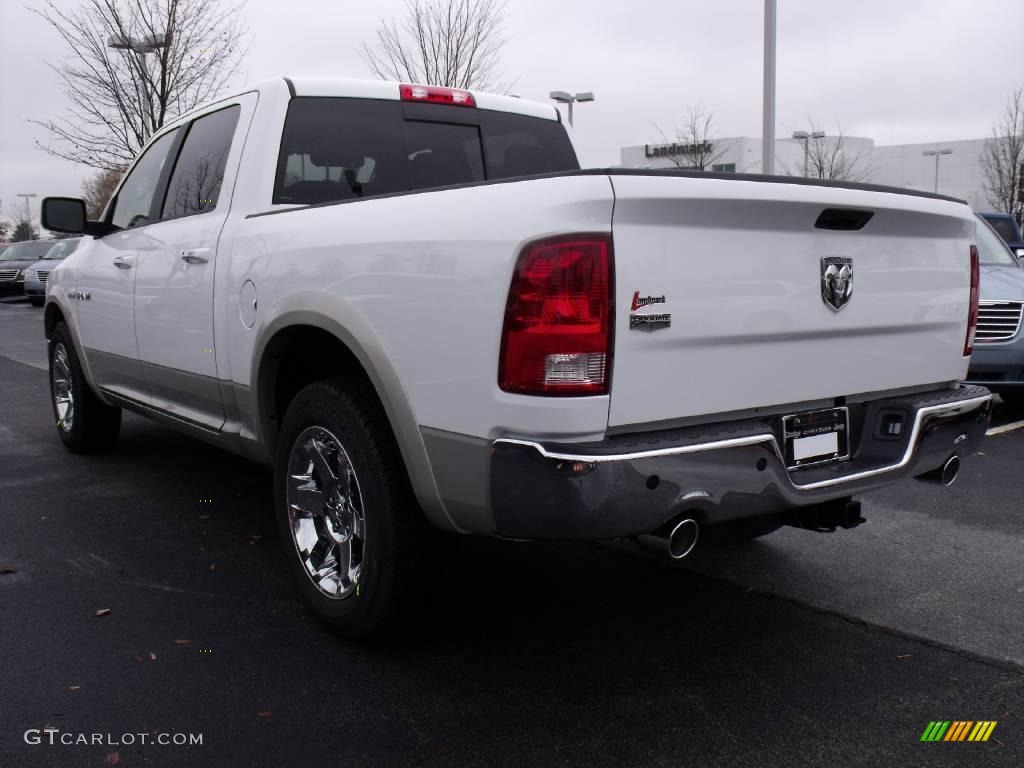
(340, 149)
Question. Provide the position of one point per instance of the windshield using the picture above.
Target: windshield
(1004, 227)
(62, 249)
(30, 250)
(991, 248)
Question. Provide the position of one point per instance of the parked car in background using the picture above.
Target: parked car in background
(998, 359)
(1007, 228)
(35, 275)
(15, 260)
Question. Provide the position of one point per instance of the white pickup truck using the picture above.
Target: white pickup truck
(414, 304)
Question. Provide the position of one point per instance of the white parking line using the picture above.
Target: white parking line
(1011, 427)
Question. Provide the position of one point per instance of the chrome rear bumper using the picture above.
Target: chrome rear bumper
(623, 486)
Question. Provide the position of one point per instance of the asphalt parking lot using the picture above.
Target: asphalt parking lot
(800, 649)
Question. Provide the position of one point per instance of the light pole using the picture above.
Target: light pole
(937, 154)
(768, 118)
(28, 211)
(148, 44)
(563, 97)
(805, 136)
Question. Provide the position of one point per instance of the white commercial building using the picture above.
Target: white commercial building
(960, 173)
(897, 165)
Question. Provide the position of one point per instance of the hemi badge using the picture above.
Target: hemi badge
(649, 322)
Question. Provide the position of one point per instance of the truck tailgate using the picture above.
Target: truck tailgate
(739, 264)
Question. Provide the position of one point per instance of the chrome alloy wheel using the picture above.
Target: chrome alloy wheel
(325, 512)
(63, 392)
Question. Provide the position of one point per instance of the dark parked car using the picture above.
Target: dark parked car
(1008, 229)
(15, 260)
(35, 275)
(998, 359)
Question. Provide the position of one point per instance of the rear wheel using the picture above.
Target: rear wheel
(345, 510)
(85, 424)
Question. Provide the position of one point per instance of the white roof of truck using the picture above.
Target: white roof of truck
(384, 89)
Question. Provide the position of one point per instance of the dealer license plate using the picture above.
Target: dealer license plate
(816, 437)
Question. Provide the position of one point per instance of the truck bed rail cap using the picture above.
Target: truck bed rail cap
(835, 183)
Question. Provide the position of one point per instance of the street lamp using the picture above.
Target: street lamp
(567, 98)
(147, 44)
(805, 136)
(937, 153)
(768, 101)
(28, 210)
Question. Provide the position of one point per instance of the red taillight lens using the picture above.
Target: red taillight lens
(972, 312)
(436, 95)
(557, 338)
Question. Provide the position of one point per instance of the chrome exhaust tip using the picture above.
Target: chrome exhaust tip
(683, 538)
(946, 474)
(950, 470)
(677, 543)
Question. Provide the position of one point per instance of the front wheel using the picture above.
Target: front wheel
(85, 424)
(345, 510)
(36, 301)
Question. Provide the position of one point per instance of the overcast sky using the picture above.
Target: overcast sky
(895, 70)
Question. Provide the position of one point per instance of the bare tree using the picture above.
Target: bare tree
(695, 146)
(98, 189)
(452, 43)
(23, 229)
(118, 98)
(1002, 159)
(833, 157)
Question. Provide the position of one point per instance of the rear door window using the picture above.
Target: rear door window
(198, 174)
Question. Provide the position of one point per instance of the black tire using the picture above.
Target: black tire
(94, 425)
(391, 518)
(36, 301)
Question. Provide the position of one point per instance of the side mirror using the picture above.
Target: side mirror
(67, 214)
(64, 214)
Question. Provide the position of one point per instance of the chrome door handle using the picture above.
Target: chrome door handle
(196, 255)
(124, 262)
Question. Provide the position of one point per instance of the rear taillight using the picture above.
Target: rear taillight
(972, 312)
(557, 338)
(433, 94)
